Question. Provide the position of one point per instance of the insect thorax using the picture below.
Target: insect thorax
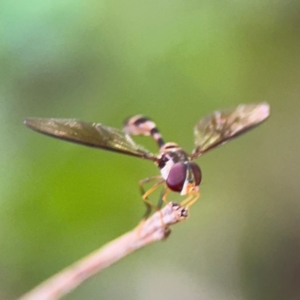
(170, 154)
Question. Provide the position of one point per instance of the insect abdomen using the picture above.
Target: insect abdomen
(141, 125)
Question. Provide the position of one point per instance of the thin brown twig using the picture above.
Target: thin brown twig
(156, 228)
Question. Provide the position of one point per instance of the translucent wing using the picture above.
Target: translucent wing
(221, 126)
(89, 134)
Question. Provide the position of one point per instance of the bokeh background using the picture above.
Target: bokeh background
(174, 61)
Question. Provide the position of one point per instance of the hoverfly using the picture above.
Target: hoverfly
(178, 171)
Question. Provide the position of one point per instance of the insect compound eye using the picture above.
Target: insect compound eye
(177, 177)
(197, 173)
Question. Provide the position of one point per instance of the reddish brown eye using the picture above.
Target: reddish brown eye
(197, 173)
(177, 177)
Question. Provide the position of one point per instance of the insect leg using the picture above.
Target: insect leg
(149, 205)
(191, 199)
(162, 198)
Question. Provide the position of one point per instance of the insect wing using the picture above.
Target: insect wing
(221, 126)
(89, 134)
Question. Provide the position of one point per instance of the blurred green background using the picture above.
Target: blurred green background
(174, 61)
